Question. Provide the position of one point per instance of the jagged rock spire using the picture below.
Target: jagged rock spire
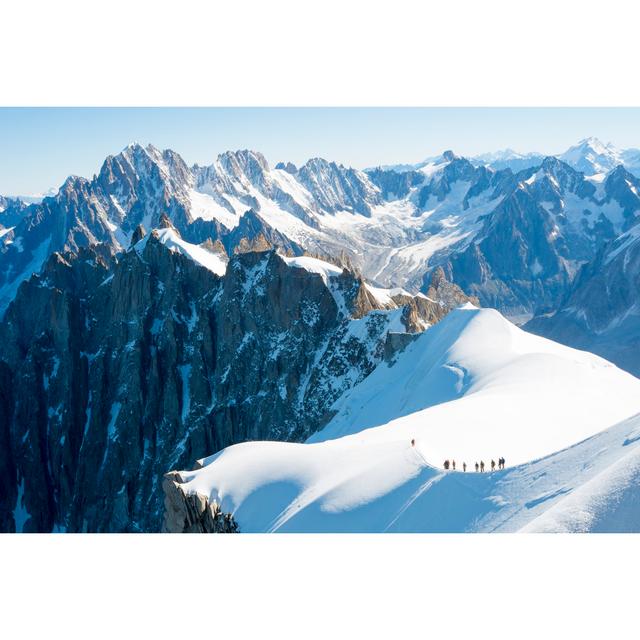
(139, 233)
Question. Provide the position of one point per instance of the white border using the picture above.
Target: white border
(334, 52)
(319, 586)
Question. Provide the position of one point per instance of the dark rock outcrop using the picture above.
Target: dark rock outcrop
(191, 512)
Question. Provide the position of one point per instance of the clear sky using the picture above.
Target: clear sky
(40, 147)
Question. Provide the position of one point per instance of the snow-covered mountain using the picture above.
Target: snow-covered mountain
(395, 227)
(474, 387)
(514, 239)
(589, 156)
(592, 157)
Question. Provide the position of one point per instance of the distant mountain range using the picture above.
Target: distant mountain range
(394, 227)
(590, 156)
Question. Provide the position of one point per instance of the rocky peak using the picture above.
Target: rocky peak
(256, 243)
(620, 180)
(441, 182)
(447, 293)
(214, 247)
(254, 233)
(192, 513)
(138, 234)
(289, 167)
(73, 189)
(566, 176)
(141, 172)
(550, 181)
(393, 184)
(251, 164)
(165, 222)
(438, 278)
(623, 187)
(336, 188)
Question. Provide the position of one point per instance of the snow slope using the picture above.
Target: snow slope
(314, 265)
(474, 386)
(172, 240)
(590, 487)
(477, 386)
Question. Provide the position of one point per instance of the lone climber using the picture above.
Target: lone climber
(413, 442)
(464, 467)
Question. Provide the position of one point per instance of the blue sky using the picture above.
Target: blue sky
(40, 147)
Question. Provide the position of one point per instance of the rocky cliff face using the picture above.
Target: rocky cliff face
(601, 312)
(518, 261)
(11, 210)
(192, 513)
(115, 369)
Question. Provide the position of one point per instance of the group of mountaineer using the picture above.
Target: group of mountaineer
(479, 467)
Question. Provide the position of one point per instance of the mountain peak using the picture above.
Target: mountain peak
(595, 144)
(591, 156)
(139, 233)
(551, 162)
(244, 158)
(133, 149)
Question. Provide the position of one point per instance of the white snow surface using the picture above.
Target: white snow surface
(592, 156)
(203, 205)
(172, 240)
(314, 265)
(472, 387)
(385, 296)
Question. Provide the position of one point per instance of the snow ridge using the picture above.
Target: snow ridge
(472, 387)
